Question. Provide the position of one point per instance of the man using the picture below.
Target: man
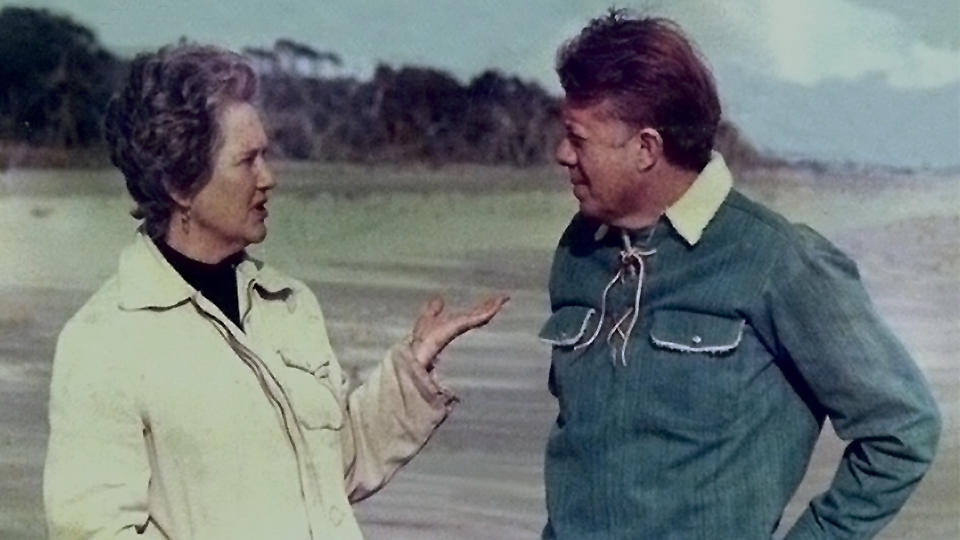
(699, 338)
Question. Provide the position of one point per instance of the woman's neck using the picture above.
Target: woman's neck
(197, 246)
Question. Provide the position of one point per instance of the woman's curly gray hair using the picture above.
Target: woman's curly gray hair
(163, 128)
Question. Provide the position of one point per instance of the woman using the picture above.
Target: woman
(196, 395)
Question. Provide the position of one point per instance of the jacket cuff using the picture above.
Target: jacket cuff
(428, 385)
(805, 528)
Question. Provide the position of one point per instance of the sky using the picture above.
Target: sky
(867, 81)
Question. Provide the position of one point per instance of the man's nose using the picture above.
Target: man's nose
(564, 153)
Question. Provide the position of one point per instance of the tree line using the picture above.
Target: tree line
(56, 78)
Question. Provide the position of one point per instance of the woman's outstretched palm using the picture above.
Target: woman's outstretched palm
(435, 329)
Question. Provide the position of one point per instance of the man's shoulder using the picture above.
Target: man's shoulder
(750, 215)
(788, 240)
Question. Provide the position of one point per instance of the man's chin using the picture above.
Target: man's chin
(590, 210)
(257, 236)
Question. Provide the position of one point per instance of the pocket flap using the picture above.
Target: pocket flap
(688, 331)
(567, 325)
(311, 392)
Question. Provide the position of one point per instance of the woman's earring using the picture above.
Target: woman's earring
(185, 221)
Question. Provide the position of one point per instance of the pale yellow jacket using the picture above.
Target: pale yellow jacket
(169, 421)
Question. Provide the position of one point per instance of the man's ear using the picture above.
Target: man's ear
(648, 149)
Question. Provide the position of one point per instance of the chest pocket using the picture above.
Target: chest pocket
(694, 374)
(569, 326)
(313, 386)
(688, 332)
(567, 329)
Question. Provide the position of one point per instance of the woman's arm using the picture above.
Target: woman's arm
(97, 470)
(393, 414)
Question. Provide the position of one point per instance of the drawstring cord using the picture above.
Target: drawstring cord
(631, 260)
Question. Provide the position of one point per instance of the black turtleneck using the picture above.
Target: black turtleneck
(217, 282)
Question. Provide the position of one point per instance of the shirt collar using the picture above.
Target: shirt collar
(252, 271)
(693, 211)
(148, 281)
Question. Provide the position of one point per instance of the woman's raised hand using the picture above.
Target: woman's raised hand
(435, 329)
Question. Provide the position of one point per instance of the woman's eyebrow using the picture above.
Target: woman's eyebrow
(253, 151)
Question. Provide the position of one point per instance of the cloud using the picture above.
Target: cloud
(809, 42)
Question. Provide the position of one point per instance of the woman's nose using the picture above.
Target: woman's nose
(266, 180)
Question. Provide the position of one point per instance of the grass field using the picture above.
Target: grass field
(375, 242)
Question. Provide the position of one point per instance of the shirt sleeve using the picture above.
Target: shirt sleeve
(874, 394)
(97, 471)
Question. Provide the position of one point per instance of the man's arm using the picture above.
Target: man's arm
(873, 392)
(97, 470)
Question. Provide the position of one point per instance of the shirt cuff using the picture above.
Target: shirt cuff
(805, 528)
(428, 385)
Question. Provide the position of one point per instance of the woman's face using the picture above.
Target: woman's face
(229, 212)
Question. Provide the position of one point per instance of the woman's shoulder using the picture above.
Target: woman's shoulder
(94, 327)
(101, 309)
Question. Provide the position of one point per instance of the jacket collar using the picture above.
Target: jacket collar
(147, 281)
(693, 211)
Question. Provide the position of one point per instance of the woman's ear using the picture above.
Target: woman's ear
(182, 200)
(648, 148)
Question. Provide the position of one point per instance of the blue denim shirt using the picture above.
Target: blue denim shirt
(699, 421)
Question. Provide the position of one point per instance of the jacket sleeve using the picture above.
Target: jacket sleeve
(866, 382)
(97, 470)
(390, 418)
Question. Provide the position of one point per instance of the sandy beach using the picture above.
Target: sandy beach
(374, 252)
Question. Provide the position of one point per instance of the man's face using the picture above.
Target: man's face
(596, 151)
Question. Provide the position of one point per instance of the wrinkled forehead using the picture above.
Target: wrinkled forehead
(241, 127)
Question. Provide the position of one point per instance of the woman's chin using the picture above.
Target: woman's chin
(256, 234)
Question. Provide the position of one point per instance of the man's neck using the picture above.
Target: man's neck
(665, 188)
